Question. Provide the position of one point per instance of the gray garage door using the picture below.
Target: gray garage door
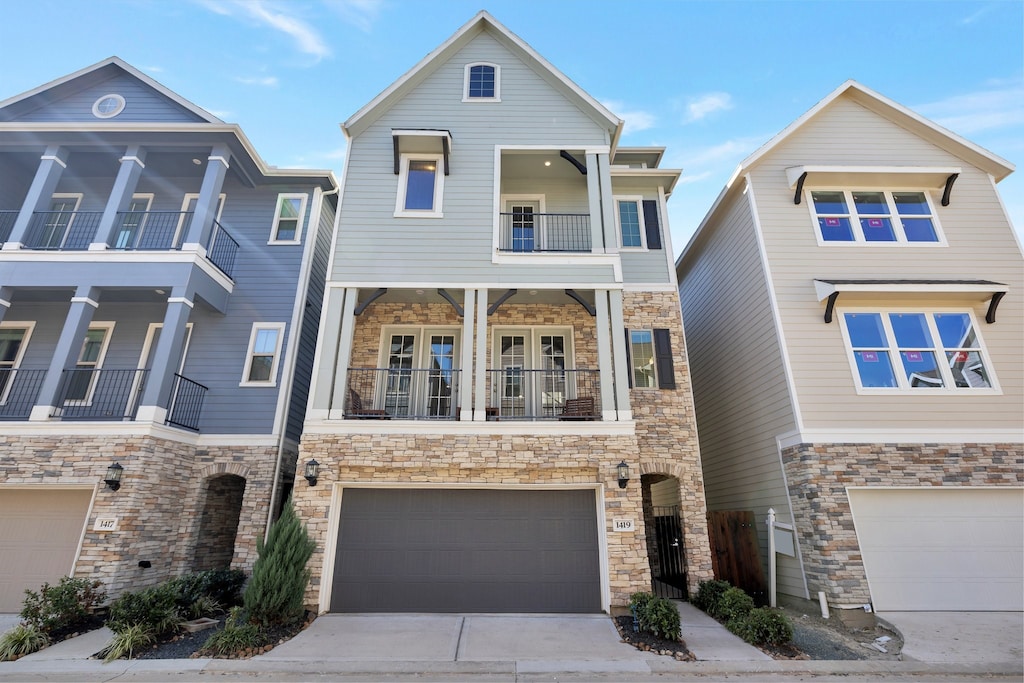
(467, 550)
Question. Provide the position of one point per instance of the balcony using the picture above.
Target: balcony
(97, 394)
(134, 231)
(432, 394)
(527, 232)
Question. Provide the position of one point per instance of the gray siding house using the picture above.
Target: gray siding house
(854, 316)
(500, 407)
(160, 290)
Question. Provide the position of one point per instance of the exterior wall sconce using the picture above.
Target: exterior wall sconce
(312, 470)
(113, 478)
(623, 470)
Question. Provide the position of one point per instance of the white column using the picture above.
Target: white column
(594, 203)
(619, 356)
(326, 356)
(480, 375)
(76, 325)
(611, 239)
(348, 328)
(466, 376)
(51, 166)
(604, 356)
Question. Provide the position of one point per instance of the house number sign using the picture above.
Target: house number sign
(105, 524)
(619, 524)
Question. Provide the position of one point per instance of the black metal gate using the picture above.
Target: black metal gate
(669, 568)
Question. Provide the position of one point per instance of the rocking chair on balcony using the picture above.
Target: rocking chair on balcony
(356, 410)
(581, 408)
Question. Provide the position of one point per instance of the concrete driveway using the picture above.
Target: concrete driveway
(960, 637)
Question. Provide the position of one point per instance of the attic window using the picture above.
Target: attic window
(108, 106)
(482, 83)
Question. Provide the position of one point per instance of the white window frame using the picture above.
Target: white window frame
(403, 186)
(189, 196)
(302, 197)
(639, 201)
(894, 217)
(654, 361)
(497, 83)
(540, 225)
(903, 387)
(108, 326)
(29, 326)
(250, 354)
(141, 225)
(532, 354)
(118, 101)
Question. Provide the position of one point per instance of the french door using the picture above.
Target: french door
(532, 381)
(421, 373)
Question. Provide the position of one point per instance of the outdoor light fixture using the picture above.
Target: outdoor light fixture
(312, 470)
(113, 479)
(623, 469)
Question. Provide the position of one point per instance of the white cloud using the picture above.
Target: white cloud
(636, 120)
(687, 179)
(276, 16)
(728, 153)
(153, 69)
(971, 18)
(360, 13)
(701, 107)
(268, 81)
(972, 113)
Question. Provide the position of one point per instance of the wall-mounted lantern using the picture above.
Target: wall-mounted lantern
(623, 471)
(113, 478)
(312, 471)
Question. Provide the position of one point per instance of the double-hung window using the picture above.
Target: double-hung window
(650, 359)
(482, 83)
(264, 355)
(917, 351)
(874, 216)
(420, 186)
(630, 215)
(81, 382)
(13, 342)
(288, 217)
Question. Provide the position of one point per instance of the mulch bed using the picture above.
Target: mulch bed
(651, 643)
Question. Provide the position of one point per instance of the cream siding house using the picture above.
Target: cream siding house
(854, 315)
(501, 276)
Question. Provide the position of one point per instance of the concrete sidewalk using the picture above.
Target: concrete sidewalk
(960, 637)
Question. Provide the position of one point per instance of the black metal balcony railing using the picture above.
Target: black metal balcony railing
(150, 230)
(18, 392)
(540, 232)
(517, 394)
(91, 394)
(222, 249)
(62, 230)
(402, 393)
(7, 219)
(186, 403)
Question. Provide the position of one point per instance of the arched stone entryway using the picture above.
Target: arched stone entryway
(665, 540)
(222, 506)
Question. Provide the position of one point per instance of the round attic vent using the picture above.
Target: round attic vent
(108, 106)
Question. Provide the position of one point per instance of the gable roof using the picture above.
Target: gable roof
(481, 22)
(889, 109)
(108, 64)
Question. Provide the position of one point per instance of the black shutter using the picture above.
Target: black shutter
(663, 358)
(629, 361)
(651, 224)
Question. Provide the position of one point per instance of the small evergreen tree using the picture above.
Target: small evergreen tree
(275, 592)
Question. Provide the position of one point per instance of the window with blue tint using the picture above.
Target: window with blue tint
(911, 330)
(955, 330)
(915, 215)
(629, 223)
(419, 189)
(865, 330)
(962, 350)
(833, 216)
(875, 369)
(875, 222)
(482, 82)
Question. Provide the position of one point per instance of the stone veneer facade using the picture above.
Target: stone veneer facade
(664, 442)
(819, 474)
(159, 505)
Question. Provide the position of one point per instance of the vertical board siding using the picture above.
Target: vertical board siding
(739, 384)
(142, 103)
(980, 246)
(531, 112)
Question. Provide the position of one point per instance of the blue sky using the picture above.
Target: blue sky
(711, 81)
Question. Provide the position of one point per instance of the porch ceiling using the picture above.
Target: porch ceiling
(554, 297)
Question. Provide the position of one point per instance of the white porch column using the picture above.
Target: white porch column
(480, 374)
(348, 328)
(76, 325)
(608, 209)
(604, 356)
(598, 245)
(466, 376)
(619, 356)
(325, 358)
(51, 166)
(132, 163)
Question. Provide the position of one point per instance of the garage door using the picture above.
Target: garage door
(461, 550)
(942, 549)
(39, 534)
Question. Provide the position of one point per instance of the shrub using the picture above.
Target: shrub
(63, 606)
(223, 585)
(709, 593)
(127, 642)
(234, 637)
(21, 640)
(763, 626)
(278, 585)
(734, 604)
(656, 615)
(203, 606)
(155, 609)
